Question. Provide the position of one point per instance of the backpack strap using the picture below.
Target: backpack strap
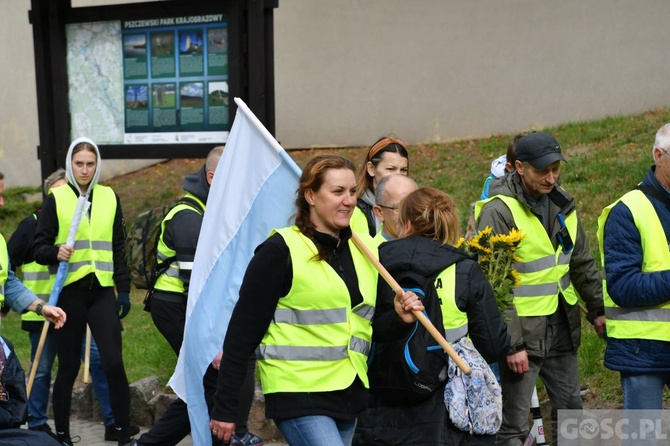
(192, 203)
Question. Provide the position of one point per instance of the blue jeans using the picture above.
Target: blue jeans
(643, 391)
(317, 429)
(39, 394)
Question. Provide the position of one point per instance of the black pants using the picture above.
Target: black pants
(97, 307)
(168, 312)
(169, 315)
(174, 425)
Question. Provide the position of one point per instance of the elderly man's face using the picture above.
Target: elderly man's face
(538, 182)
(396, 189)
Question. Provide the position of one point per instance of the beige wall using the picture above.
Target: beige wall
(435, 70)
(350, 71)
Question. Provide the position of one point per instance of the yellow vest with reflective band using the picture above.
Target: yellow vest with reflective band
(359, 222)
(543, 270)
(37, 279)
(170, 281)
(316, 342)
(4, 267)
(454, 320)
(93, 251)
(650, 322)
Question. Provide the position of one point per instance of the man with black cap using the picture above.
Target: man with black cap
(555, 267)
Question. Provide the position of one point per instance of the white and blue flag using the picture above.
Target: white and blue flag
(253, 192)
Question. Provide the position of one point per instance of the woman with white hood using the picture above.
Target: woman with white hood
(95, 266)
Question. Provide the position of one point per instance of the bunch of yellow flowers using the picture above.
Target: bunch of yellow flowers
(495, 254)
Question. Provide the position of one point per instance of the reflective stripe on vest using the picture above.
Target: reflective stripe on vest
(170, 281)
(316, 342)
(93, 251)
(639, 322)
(4, 267)
(37, 279)
(543, 270)
(454, 320)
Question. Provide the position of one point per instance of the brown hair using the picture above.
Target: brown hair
(374, 156)
(312, 178)
(511, 148)
(433, 214)
(84, 146)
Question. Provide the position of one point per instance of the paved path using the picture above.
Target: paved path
(92, 433)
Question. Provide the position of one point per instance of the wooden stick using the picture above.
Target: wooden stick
(87, 356)
(38, 355)
(583, 308)
(448, 349)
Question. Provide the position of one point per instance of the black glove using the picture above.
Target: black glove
(123, 304)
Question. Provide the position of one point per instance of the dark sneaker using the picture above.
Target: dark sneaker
(112, 432)
(66, 440)
(246, 439)
(44, 428)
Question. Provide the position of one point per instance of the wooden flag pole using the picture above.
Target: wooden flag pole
(38, 355)
(87, 356)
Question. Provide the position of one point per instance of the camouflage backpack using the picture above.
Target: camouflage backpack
(142, 244)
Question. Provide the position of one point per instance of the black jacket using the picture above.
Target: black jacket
(183, 230)
(412, 261)
(13, 412)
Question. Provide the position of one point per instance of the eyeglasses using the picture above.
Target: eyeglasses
(664, 151)
(392, 208)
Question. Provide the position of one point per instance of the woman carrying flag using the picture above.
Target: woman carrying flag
(307, 303)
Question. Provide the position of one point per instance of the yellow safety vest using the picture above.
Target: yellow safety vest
(639, 322)
(543, 270)
(4, 267)
(37, 279)
(359, 222)
(170, 281)
(379, 238)
(455, 321)
(93, 250)
(316, 342)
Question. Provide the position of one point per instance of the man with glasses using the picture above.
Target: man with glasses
(633, 235)
(554, 265)
(388, 193)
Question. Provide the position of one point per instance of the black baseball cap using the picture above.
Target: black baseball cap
(539, 149)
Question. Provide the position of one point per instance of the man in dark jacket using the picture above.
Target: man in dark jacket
(633, 233)
(544, 322)
(178, 240)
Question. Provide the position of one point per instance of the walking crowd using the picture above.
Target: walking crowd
(346, 355)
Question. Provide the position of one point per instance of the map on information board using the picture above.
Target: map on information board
(152, 81)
